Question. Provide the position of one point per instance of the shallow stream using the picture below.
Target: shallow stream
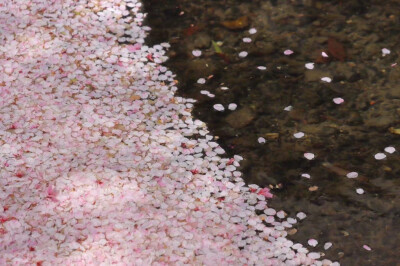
(345, 122)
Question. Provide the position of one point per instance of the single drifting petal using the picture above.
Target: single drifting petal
(390, 149)
(306, 175)
(338, 100)
(367, 248)
(298, 135)
(352, 175)
(243, 54)
(288, 52)
(219, 107)
(288, 108)
(385, 51)
(380, 156)
(360, 191)
(310, 65)
(252, 31)
(301, 215)
(201, 80)
(312, 242)
(232, 106)
(309, 155)
(326, 79)
(196, 53)
(327, 245)
(261, 140)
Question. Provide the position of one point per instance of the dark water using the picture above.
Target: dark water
(343, 137)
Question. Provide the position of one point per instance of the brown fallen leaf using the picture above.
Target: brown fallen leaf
(134, 97)
(192, 30)
(236, 24)
(336, 49)
(313, 188)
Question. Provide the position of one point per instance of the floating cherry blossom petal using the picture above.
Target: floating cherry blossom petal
(224, 88)
(252, 31)
(262, 68)
(219, 107)
(298, 135)
(201, 81)
(312, 242)
(360, 191)
(327, 245)
(352, 175)
(338, 100)
(288, 52)
(288, 108)
(261, 140)
(301, 215)
(306, 175)
(309, 155)
(380, 156)
(366, 247)
(324, 54)
(243, 54)
(385, 51)
(390, 149)
(310, 65)
(196, 53)
(326, 79)
(232, 106)
(247, 40)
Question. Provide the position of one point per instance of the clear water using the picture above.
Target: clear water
(343, 137)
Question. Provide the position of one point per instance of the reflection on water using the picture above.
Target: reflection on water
(345, 122)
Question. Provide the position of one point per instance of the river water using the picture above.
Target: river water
(287, 109)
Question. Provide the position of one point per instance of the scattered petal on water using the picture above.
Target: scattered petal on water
(288, 52)
(385, 51)
(367, 248)
(247, 39)
(261, 140)
(326, 79)
(305, 175)
(352, 175)
(309, 155)
(219, 107)
(252, 31)
(360, 191)
(310, 65)
(338, 100)
(243, 54)
(380, 156)
(262, 68)
(327, 245)
(288, 108)
(196, 53)
(313, 242)
(298, 135)
(301, 215)
(201, 80)
(232, 106)
(324, 54)
(224, 88)
(390, 149)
